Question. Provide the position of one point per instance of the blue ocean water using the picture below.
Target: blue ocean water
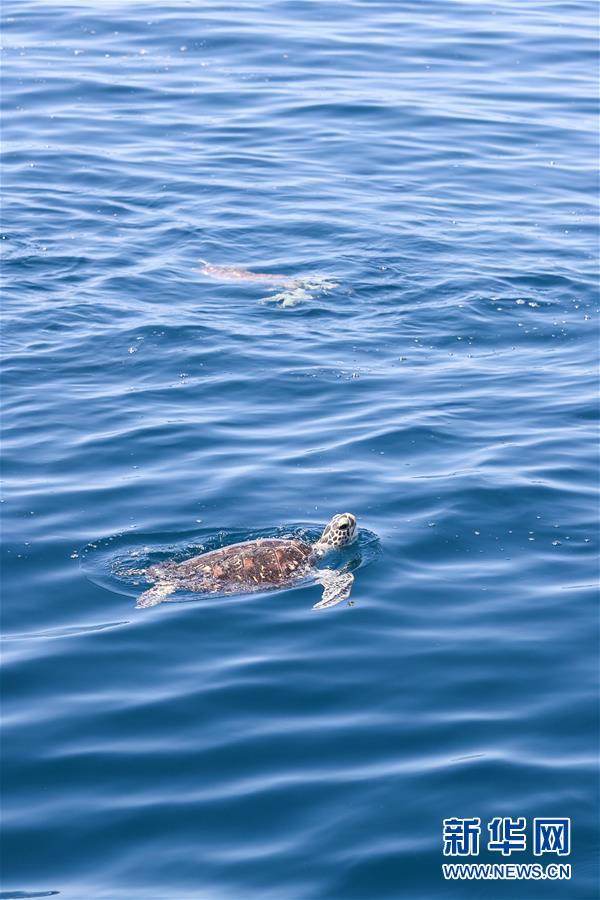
(436, 161)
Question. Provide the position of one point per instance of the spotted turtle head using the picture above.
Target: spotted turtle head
(339, 532)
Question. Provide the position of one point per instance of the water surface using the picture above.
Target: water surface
(436, 161)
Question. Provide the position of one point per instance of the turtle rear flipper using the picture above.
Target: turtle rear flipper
(337, 587)
(155, 595)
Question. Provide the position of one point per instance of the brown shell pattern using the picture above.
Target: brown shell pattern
(269, 562)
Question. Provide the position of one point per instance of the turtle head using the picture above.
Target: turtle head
(339, 532)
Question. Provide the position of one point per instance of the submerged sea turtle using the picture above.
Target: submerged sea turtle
(252, 565)
(237, 273)
(295, 290)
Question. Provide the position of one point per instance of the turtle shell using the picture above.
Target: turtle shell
(268, 562)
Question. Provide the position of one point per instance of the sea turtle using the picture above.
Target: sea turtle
(237, 273)
(265, 563)
(295, 290)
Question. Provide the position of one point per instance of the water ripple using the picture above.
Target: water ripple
(437, 162)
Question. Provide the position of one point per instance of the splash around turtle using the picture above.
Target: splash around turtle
(122, 563)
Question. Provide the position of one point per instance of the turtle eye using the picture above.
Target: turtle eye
(344, 526)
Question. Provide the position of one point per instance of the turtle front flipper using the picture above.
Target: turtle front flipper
(155, 595)
(337, 587)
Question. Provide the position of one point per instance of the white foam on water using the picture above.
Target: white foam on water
(306, 289)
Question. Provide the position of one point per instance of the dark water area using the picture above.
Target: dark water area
(436, 162)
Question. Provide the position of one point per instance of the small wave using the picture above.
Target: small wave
(26, 895)
(68, 631)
